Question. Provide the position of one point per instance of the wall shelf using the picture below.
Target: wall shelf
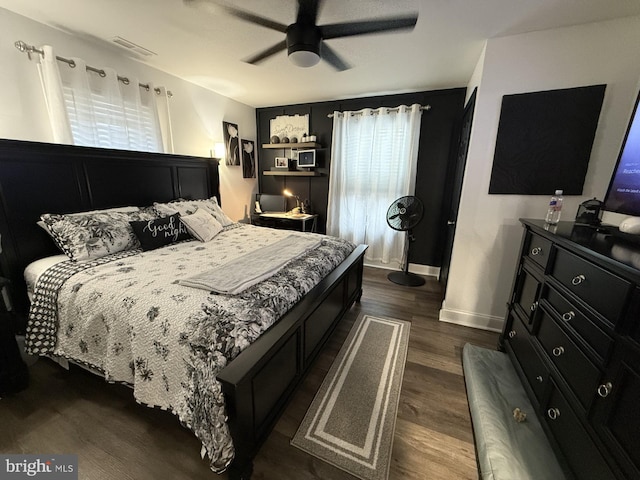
(291, 145)
(291, 173)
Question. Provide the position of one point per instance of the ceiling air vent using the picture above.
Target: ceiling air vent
(132, 46)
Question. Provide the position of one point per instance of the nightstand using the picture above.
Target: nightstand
(5, 304)
(14, 375)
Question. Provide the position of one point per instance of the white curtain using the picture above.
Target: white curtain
(164, 115)
(54, 97)
(99, 110)
(374, 157)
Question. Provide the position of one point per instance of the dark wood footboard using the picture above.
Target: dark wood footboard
(260, 381)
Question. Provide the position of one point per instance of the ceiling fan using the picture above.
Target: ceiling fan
(304, 40)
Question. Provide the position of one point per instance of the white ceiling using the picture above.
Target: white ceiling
(199, 43)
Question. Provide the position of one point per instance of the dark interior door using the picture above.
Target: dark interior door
(461, 161)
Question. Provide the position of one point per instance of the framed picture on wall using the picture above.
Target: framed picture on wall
(232, 143)
(248, 159)
(544, 141)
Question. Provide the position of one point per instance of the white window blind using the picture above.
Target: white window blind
(100, 123)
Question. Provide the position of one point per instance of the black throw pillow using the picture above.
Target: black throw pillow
(160, 231)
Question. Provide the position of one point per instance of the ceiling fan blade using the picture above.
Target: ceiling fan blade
(308, 11)
(247, 16)
(337, 30)
(259, 57)
(330, 56)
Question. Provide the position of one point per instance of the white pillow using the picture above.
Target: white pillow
(202, 225)
(187, 207)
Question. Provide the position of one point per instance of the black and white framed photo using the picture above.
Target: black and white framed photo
(232, 143)
(282, 162)
(248, 159)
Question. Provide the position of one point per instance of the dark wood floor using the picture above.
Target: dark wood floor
(115, 438)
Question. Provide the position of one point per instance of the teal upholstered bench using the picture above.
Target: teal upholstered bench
(506, 449)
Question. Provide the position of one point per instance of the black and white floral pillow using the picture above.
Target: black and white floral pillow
(188, 207)
(96, 234)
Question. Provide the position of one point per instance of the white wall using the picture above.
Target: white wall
(197, 114)
(476, 76)
(488, 232)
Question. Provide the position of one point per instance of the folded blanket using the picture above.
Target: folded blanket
(245, 271)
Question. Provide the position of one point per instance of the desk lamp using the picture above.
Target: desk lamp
(288, 193)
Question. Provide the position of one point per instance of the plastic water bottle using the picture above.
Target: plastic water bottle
(555, 208)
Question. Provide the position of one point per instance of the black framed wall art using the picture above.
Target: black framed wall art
(544, 141)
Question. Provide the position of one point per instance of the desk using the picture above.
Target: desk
(289, 221)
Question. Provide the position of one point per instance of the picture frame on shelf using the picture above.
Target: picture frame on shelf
(282, 162)
(289, 126)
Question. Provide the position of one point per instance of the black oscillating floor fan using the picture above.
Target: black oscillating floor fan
(403, 215)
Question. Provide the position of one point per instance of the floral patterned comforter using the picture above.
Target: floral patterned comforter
(127, 316)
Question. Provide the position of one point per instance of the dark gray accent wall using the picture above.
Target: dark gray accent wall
(438, 147)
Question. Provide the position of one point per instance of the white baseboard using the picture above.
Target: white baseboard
(426, 270)
(470, 319)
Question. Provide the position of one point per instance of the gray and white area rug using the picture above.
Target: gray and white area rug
(351, 421)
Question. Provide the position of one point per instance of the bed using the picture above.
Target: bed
(261, 365)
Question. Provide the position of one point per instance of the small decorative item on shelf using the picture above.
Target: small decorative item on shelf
(590, 212)
(294, 139)
(304, 138)
(311, 138)
(275, 139)
(285, 139)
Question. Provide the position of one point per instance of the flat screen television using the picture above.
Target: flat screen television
(623, 194)
(306, 158)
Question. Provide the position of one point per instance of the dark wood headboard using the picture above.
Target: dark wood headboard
(37, 178)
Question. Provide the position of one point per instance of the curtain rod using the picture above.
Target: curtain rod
(29, 49)
(426, 107)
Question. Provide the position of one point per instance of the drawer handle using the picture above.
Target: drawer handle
(568, 316)
(557, 351)
(539, 378)
(553, 413)
(536, 251)
(578, 279)
(512, 333)
(533, 306)
(605, 389)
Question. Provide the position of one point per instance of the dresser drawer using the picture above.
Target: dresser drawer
(538, 249)
(603, 291)
(531, 364)
(526, 293)
(575, 367)
(584, 327)
(583, 457)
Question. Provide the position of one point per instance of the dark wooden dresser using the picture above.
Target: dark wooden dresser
(573, 334)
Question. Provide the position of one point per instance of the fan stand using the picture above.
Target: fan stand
(405, 277)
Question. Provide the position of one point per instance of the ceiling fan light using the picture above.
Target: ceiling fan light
(304, 58)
